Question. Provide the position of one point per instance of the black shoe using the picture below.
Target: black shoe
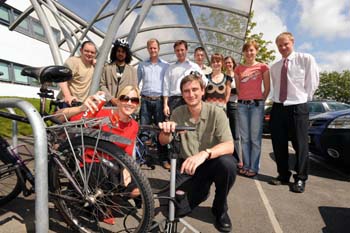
(298, 186)
(279, 181)
(222, 221)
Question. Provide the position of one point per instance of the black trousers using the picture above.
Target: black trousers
(174, 102)
(220, 171)
(290, 122)
(231, 111)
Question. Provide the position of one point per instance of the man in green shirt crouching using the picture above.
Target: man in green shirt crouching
(206, 152)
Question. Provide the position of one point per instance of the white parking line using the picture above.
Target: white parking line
(275, 224)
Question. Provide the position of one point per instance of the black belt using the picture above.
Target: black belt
(151, 97)
(175, 97)
(248, 102)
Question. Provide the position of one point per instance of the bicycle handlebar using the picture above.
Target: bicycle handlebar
(177, 128)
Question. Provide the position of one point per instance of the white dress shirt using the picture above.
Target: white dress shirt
(303, 78)
(175, 73)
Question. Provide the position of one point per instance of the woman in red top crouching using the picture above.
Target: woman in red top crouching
(121, 123)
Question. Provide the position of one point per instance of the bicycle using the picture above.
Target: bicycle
(148, 159)
(89, 176)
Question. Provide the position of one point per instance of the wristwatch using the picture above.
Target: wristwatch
(209, 153)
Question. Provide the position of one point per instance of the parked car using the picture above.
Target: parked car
(315, 107)
(329, 136)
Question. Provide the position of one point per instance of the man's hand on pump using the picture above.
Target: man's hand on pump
(167, 127)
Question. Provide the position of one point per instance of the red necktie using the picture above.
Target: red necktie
(283, 83)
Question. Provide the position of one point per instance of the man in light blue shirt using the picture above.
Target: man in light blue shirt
(173, 76)
(151, 74)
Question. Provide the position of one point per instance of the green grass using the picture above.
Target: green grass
(23, 128)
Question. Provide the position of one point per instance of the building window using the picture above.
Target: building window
(29, 26)
(18, 77)
(5, 70)
(4, 14)
(38, 29)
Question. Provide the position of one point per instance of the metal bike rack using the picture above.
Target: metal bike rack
(40, 151)
(14, 130)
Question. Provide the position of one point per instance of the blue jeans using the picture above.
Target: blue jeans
(151, 111)
(250, 127)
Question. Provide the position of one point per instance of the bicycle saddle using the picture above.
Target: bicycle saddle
(55, 74)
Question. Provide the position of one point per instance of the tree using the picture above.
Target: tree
(334, 86)
(264, 55)
(231, 23)
(236, 25)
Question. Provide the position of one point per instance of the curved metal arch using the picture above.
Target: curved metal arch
(172, 2)
(201, 4)
(187, 26)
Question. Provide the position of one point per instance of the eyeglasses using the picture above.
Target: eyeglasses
(125, 99)
(196, 73)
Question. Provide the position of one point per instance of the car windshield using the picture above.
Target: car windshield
(315, 107)
(334, 106)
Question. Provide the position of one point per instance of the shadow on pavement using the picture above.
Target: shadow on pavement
(202, 213)
(336, 219)
(315, 169)
(23, 211)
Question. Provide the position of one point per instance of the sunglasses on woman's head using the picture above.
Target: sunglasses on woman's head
(195, 73)
(133, 100)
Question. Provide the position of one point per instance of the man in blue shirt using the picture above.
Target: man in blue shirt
(151, 73)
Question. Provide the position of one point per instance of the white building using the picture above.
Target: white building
(25, 46)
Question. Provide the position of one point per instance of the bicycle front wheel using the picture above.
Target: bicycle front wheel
(10, 186)
(98, 188)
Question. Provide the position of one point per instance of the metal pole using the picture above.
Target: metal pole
(20, 18)
(40, 151)
(106, 45)
(77, 19)
(14, 130)
(63, 27)
(48, 32)
(104, 5)
(146, 6)
(187, 6)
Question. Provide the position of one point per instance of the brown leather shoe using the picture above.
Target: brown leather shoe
(166, 165)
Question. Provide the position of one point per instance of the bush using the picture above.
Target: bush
(334, 86)
(23, 128)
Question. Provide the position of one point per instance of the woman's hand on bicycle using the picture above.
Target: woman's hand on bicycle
(190, 165)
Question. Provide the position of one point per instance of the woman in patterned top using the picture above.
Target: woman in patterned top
(218, 88)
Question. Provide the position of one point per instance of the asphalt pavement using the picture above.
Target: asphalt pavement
(254, 205)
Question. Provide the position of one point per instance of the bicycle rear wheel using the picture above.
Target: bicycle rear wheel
(99, 170)
(10, 186)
